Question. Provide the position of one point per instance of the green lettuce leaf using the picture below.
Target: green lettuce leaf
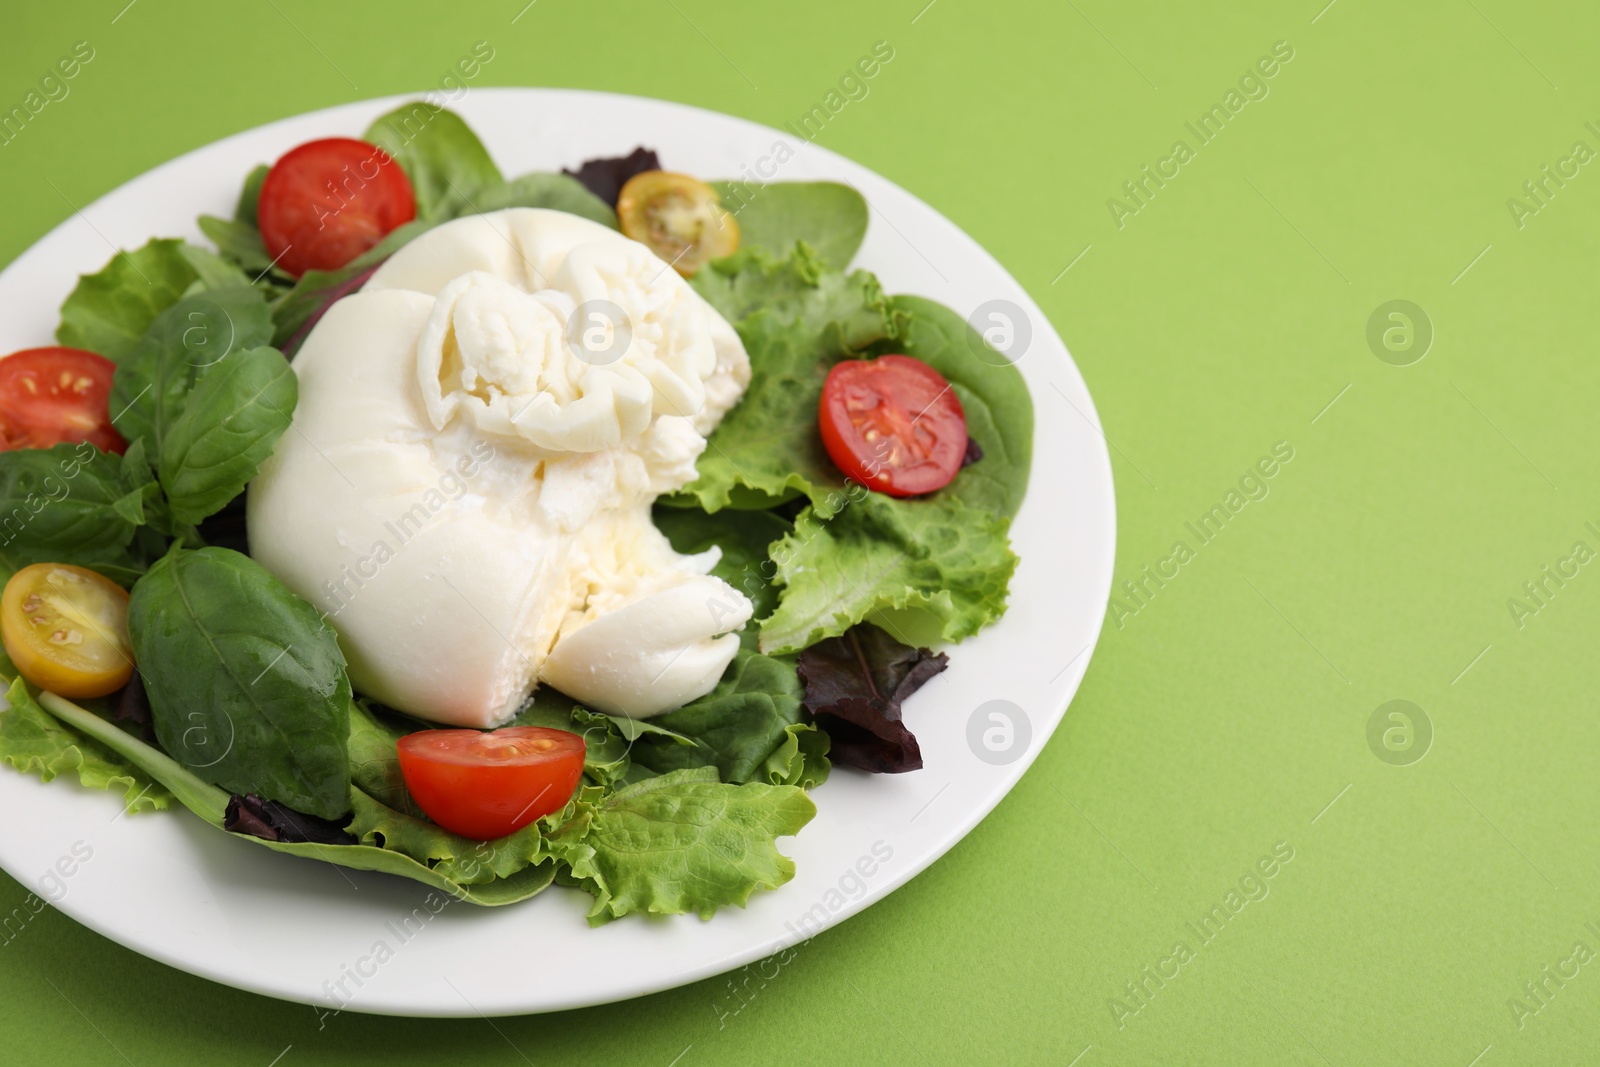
(683, 842)
(34, 742)
(797, 319)
(447, 164)
(108, 311)
(934, 555)
(229, 425)
(828, 216)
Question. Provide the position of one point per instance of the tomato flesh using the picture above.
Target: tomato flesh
(66, 629)
(677, 217)
(328, 201)
(51, 396)
(893, 424)
(487, 785)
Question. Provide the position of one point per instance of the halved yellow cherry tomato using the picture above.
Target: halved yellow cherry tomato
(66, 629)
(680, 218)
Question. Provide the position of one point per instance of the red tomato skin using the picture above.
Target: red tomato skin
(57, 395)
(485, 798)
(329, 201)
(921, 429)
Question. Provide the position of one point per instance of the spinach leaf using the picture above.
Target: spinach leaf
(828, 216)
(108, 311)
(998, 406)
(230, 422)
(67, 504)
(447, 164)
(183, 342)
(558, 192)
(246, 682)
(749, 728)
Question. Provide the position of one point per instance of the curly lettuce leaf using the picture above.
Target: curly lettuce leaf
(684, 842)
(108, 311)
(828, 216)
(34, 742)
(797, 319)
(935, 555)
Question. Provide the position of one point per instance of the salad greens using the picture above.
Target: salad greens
(252, 723)
(246, 681)
(831, 218)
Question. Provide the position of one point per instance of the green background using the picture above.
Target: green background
(1231, 711)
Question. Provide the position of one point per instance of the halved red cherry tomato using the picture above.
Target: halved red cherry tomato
(487, 785)
(893, 424)
(51, 396)
(327, 202)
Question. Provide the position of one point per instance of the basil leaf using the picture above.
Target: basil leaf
(828, 216)
(447, 164)
(184, 341)
(108, 311)
(558, 192)
(230, 422)
(61, 505)
(246, 682)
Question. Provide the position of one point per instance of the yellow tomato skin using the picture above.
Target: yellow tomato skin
(679, 218)
(66, 629)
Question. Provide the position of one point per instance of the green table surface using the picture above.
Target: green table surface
(1435, 910)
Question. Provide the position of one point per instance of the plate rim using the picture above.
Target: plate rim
(153, 947)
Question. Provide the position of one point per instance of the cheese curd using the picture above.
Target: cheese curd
(467, 485)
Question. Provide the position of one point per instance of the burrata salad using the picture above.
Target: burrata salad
(499, 533)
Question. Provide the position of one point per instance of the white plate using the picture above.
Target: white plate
(172, 888)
